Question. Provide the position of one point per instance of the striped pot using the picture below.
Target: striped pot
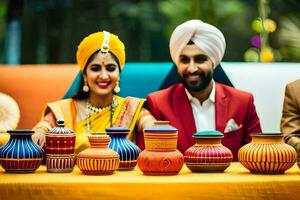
(60, 148)
(128, 151)
(60, 140)
(60, 144)
(98, 159)
(60, 163)
(208, 154)
(160, 156)
(20, 154)
(267, 154)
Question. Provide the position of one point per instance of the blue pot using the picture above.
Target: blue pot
(20, 154)
(127, 150)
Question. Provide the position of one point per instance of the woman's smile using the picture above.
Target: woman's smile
(103, 85)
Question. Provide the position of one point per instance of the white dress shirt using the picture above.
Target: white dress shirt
(204, 114)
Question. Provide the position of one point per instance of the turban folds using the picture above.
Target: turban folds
(205, 36)
(93, 43)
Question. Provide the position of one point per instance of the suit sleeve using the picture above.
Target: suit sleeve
(290, 121)
(253, 124)
(151, 107)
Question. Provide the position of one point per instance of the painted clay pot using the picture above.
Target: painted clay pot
(208, 154)
(60, 147)
(20, 154)
(160, 156)
(60, 163)
(267, 154)
(127, 150)
(98, 159)
(298, 154)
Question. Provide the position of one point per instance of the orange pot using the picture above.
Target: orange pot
(267, 154)
(160, 156)
(98, 159)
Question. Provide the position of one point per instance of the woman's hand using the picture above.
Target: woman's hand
(145, 119)
(39, 138)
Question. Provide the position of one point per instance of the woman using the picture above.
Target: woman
(101, 57)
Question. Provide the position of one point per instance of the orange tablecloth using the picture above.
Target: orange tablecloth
(235, 183)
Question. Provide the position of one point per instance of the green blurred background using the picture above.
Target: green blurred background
(48, 31)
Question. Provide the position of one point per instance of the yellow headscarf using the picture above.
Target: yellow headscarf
(93, 43)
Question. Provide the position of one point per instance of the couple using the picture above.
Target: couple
(197, 103)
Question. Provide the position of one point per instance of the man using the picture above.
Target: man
(198, 103)
(290, 121)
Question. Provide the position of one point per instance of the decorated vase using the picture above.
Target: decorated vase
(20, 154)
(208, 154)
(298, 153)
(127, 150)
(160, 156)
(99, 159)
(60, 147)
(267, 154)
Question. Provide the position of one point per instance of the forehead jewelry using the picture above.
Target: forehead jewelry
(105, 46)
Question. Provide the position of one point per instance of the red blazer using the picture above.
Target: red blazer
(172, 105)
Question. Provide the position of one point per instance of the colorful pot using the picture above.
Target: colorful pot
(60, 147)
(60, 140)
(98, 159)
(267, 154)
(20, 154)
(160, 156)
(208, 154)
(127, 150)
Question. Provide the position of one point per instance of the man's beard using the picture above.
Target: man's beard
(197, 85)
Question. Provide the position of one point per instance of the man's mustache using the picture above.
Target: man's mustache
(200, 74)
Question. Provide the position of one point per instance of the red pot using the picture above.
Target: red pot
(208, 154)
(60, 147)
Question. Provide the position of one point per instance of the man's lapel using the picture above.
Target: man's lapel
(221, 108)
(183, 109)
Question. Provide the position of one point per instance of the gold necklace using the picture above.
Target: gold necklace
(90, 110)
(93, 109)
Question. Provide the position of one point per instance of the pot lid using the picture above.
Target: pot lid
(160, 126)
(60, 128)
(117, 129)
(211, 133)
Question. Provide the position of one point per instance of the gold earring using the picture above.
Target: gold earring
(117, 88)
(85, 87)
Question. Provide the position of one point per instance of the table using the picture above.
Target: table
(235, 183)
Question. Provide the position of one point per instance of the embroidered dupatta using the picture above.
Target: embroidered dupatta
(126, 115)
